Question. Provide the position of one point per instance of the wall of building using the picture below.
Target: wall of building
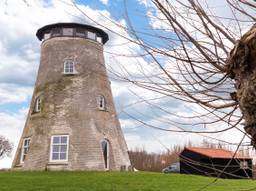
(195, 163)
(69, 107)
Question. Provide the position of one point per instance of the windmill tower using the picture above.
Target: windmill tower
(72, 122)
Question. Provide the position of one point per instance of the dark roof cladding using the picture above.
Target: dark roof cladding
(216, 153)
(40, 32)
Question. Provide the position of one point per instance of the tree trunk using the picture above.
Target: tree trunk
(242, 68)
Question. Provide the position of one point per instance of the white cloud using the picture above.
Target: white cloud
(11, 93)
(105, 2)
(19, 52)
(11, 127)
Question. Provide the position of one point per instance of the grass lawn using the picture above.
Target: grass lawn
(115, 181)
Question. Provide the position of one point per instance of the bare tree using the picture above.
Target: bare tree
(6, 147)
(189, 54)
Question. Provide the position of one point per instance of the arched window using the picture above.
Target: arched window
(69, 67)
(101, 102)
(105, 152)
(38, 104)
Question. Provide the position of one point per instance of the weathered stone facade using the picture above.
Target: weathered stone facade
(69, 107)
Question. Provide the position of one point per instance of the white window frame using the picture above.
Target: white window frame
(68, 71)
(101, 102)
(51, 150)
(108, 148)
(23, 149)
(38, 104)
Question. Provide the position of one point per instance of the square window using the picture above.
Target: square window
(99, 39)
(59, 148)
(67, 31)
(243, 164)
(80, 32)
(47, 36)
(56, 32)
(91, 35)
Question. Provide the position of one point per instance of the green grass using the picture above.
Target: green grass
(115, 181)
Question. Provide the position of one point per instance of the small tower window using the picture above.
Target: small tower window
(69, 67)
(80, 32)
(99, 39)
(56, 32)
(38, 104)
(47, 36)
(67, 31)
(101, 102)
(91, 35)
(59, 148)
(25, 148)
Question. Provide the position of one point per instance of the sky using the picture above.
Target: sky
(20, 55)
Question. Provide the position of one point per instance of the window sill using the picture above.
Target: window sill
(70, 74)
(58, 163)
(104, 110)
(19, 165)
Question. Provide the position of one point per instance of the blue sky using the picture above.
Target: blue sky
(20, 55)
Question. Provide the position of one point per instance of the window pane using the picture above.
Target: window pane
(91, 35)
(63, 148)
(99, 39)
(25, 142)
(47, 36)
(56, 32)
(55, 148)
(63, 156)
(68, 31)
(24, 157)
(64, 139)
(80, 32)
(25, 151)
(56, 140)
(55, 156)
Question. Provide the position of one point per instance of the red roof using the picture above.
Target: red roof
(216, 153)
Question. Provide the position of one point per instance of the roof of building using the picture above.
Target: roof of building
(216, 153)
(40, 32)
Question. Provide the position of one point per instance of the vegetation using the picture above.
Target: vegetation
(190, 56)
(155, 162)
(103, 181)
(6, 147)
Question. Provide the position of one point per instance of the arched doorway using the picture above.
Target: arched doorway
(105, 152)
